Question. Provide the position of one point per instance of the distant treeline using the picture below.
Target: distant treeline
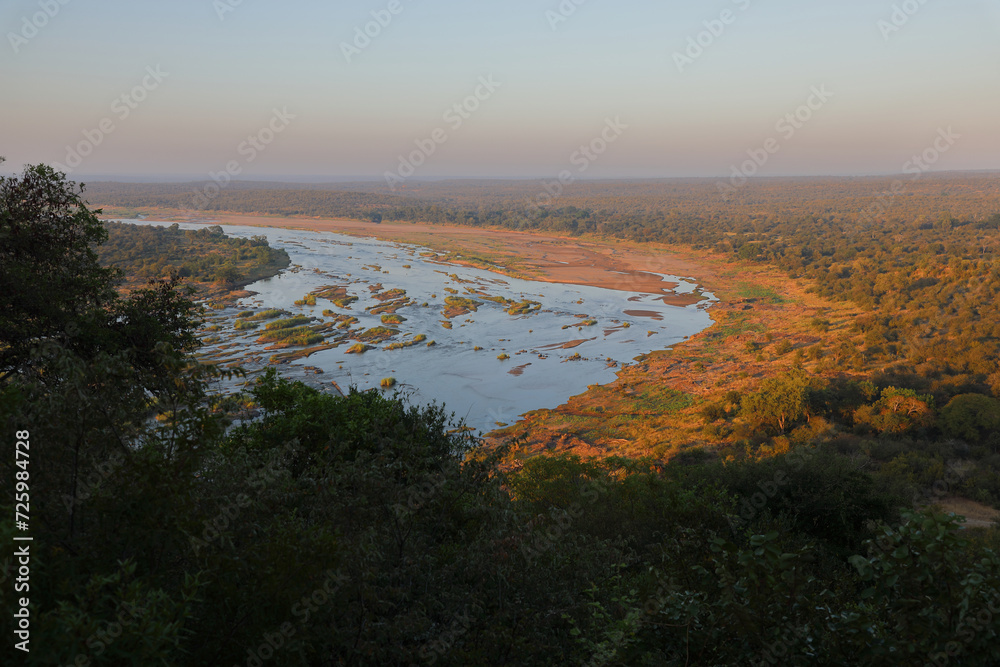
(612, 205)
(238, 198)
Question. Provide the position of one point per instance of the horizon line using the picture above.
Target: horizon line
(314, 179)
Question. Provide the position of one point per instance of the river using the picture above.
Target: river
(564, 338)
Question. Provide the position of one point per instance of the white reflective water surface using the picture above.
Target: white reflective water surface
(474, 384)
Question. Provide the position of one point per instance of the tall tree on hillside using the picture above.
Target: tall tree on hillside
(54, 290)
(778, 404)
(49, 275)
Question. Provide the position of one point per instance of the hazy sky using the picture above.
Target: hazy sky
(212, 73)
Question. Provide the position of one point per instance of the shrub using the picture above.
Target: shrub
(713, 412)
(307, 300)
(291, 336)
(971, 417)
(288, 323)
(896, 412)
(820, 324)
(778, 404)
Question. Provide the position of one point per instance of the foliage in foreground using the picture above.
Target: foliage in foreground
(357, 530)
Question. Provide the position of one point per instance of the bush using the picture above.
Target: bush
(896, 412)
(971, 417)
(713, 412)
(820, 324)
(307, 300)
(288, 323)
(778, 404)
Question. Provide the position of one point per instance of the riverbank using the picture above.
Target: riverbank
(556, 259)
(765, 324)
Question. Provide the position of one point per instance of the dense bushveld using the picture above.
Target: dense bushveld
(292, 527)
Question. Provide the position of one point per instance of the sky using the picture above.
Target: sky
(258, 89)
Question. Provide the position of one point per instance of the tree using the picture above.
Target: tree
(972, 417)
(896, 412)
(54, 291)
(51, 283)
(779, 402)
(228, 274)
(83, 371)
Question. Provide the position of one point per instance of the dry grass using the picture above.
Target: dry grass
(653, 408)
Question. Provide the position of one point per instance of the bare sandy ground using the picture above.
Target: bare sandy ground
(544, 257)
(977, 515)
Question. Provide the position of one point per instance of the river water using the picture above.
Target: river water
(607, 328)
